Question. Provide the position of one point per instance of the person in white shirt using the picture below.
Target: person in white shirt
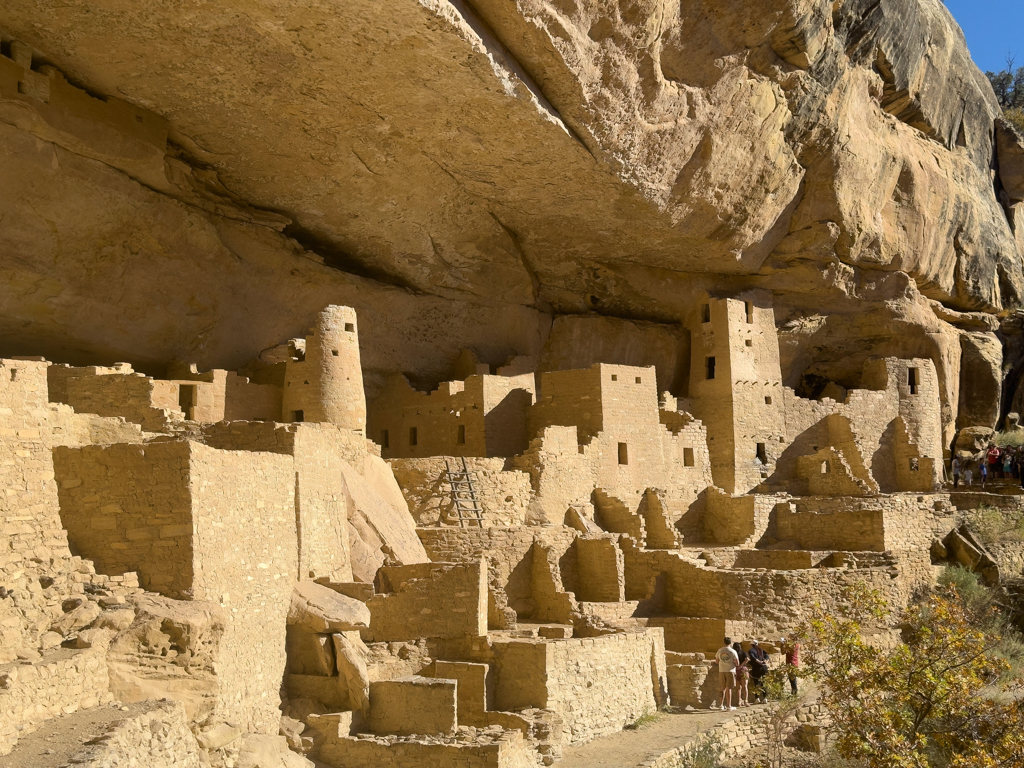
(728, 660)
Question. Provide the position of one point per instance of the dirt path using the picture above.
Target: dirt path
(629, 749)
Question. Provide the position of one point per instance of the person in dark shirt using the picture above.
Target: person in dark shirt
(758, 669)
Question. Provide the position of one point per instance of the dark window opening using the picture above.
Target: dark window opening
(462, 434)
(623, 453)
(187, 400)
(767, 401)
(749, 343)
(334, 352)
(298, 416)
(412, 436)
(615, 377)
(385, 440)
(706, 313)
(912, 380)
(349, 327)
(710, 362)
(14, 374)
(762, 454)
(687, 457)
(639, 380)
(749, 307)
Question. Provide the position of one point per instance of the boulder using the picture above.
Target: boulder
(77, 618)
(973, 440)
(351, 654)
(264, 751)
(309, 653)
(981, 380)
(218, 736)
(381, 530)
(321, 610)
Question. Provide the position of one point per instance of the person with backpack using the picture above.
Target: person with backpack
(758, 669)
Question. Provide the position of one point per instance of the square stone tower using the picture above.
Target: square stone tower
(736, 387)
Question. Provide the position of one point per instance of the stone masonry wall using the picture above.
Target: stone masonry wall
(151, 735)
(504, 496)
(244, 555)
(432, 600)
(128, 507)
(597, 685)
(508, 552)
(60, 683)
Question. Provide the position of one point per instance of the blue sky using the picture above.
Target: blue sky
(993, 28)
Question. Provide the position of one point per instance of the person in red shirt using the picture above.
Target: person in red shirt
(993, 460)
(792, 651)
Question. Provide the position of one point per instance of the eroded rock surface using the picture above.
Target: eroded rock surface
(512, 159)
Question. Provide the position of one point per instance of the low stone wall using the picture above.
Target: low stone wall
(740, 734)
(58, 684)
(596, 685)
(484, 750)
(432, 600)
(156, 737)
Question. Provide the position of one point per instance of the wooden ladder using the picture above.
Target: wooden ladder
(466, 506)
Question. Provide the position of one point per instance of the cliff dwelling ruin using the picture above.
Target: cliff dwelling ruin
(487, 364)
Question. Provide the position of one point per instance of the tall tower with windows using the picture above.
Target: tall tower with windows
(326, 385)
(736, 387)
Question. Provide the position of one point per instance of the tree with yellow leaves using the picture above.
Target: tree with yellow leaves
(935, 699)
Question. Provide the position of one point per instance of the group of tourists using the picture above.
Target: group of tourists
(994, 462)
(744, 671)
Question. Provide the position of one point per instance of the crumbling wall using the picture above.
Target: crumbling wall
(197, 523)
(432, 600)
(129, 508)
(130, 395)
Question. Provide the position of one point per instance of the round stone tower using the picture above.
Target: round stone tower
(328, 385)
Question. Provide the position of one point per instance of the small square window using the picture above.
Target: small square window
(615, 377)
(639, 380)
(334, 352)
(623, 453)
(749, 342)
(350, 327)
(298, 416)
(768, 400)
(687, 457)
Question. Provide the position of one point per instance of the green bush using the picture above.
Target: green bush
(703, 753)
(992, 525)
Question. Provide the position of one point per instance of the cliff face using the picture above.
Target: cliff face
(462, 172)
